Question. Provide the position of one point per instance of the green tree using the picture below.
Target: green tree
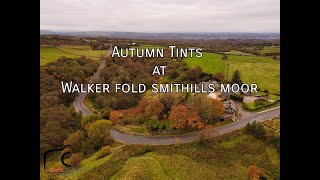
(105, 112)
(98, 132)
(236, 78)
(88, 119)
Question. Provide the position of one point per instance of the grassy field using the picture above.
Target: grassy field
(83, 50)
(263, 71)
(209, 62)
(227, 157)
(49, 54)
(270, 49)
(233, 52)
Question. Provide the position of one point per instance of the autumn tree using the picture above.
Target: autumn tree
(236, 78)
(184, 117)
(179, 115)
(154, 108)
(75, 140)
(115, 116)
(255, 173)
(98, 132)
(75, 160)
(52, 135)
(219, 77)
(209, 109)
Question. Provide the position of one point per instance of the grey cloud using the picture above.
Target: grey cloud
(161, 15)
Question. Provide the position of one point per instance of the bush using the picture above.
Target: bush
(266, 91)
(153, 125)
(75, 160)
(124, 121)
(139, 120)
(105, 151)
(105, 112)
(145, 149)
(236, 97)
(256, 129)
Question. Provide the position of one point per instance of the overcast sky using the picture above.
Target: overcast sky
(161, 15)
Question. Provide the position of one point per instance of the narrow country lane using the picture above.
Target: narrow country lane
(165, 140)
(78, 103)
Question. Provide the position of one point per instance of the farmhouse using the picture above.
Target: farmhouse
(230, 107)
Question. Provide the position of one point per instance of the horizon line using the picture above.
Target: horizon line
(261, 32)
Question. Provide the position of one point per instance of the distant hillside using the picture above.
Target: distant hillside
(223, 35)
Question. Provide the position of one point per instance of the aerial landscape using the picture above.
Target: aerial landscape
(117, 134)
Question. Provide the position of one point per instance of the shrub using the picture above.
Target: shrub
(266, 90)
(105, 112)
(124, 121)
(145, 149)
(256, 129)
(75, 160)
(236, 97)
(153, 125)
(105, 151)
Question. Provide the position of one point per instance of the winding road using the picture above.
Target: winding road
(78, 103)
(183, 138)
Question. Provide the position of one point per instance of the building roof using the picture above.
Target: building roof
(206, 85)
(230, 104)
(212, 95)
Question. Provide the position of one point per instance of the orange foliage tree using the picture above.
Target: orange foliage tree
(183, 117)
(115, 116)
(254, 172)
(179, 115)
(154, 108)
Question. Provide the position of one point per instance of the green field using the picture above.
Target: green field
(263, 71)
(50, 54)
(209, 62)
(270, 49)
(233, 52)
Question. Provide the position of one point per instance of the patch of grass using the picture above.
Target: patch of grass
(271, 96)
(139, 130)
(209, 62)
(141, 168)
(178, 166)
(273, 124)
(232, 142)
(234, 52)
(222, 123)
(132, 129)
(262, 71)
(83, 50)
(50, 54)
(255, 107)
(270, 49)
